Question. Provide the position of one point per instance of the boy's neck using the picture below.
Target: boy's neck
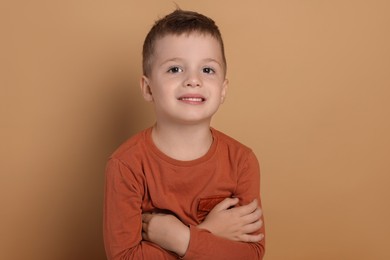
(183, 142)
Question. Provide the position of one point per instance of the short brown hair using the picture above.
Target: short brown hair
(177, 23)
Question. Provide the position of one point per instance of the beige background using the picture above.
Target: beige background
(309, 92)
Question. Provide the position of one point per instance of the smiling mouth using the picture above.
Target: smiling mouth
(192, 99)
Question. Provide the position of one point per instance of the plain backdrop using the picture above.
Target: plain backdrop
(309, 92)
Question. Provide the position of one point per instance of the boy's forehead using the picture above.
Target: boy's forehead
(175, 44)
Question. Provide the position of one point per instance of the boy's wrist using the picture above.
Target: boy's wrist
(182, 240)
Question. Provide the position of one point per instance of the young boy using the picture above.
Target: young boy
(181, 189)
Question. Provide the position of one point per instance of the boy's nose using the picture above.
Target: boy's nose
(192, 81)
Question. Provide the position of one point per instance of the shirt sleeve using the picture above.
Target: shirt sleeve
(204, 245)
(122, 225)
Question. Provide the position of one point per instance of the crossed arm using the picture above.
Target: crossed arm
(132, 234)
(224, 220)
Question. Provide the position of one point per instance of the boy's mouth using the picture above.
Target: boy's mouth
(192, 98)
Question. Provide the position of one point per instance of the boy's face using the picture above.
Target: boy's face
(187, 81)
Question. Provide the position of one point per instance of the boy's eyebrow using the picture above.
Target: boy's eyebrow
(170, 60)
(180, 59)
(213, 60)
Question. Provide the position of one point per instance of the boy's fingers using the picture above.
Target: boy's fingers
(144, 227)
(253, 227)
(144, 236)
(251, 238)
(247, 209)
(226, 203)
(146, 217)
(253, 216)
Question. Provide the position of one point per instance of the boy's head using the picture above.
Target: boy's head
(177, 23)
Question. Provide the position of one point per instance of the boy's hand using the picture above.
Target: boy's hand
(166, 231)
(234, 223)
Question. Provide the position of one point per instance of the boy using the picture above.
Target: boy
(182, 189)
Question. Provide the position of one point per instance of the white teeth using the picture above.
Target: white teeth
(192, 99)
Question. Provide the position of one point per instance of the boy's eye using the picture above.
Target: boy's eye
(208, 70)
(175, 69)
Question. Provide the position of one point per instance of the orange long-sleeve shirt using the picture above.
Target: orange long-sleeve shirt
(140, 178)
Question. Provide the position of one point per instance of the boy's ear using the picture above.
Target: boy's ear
(145, 89)
(224, 90)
